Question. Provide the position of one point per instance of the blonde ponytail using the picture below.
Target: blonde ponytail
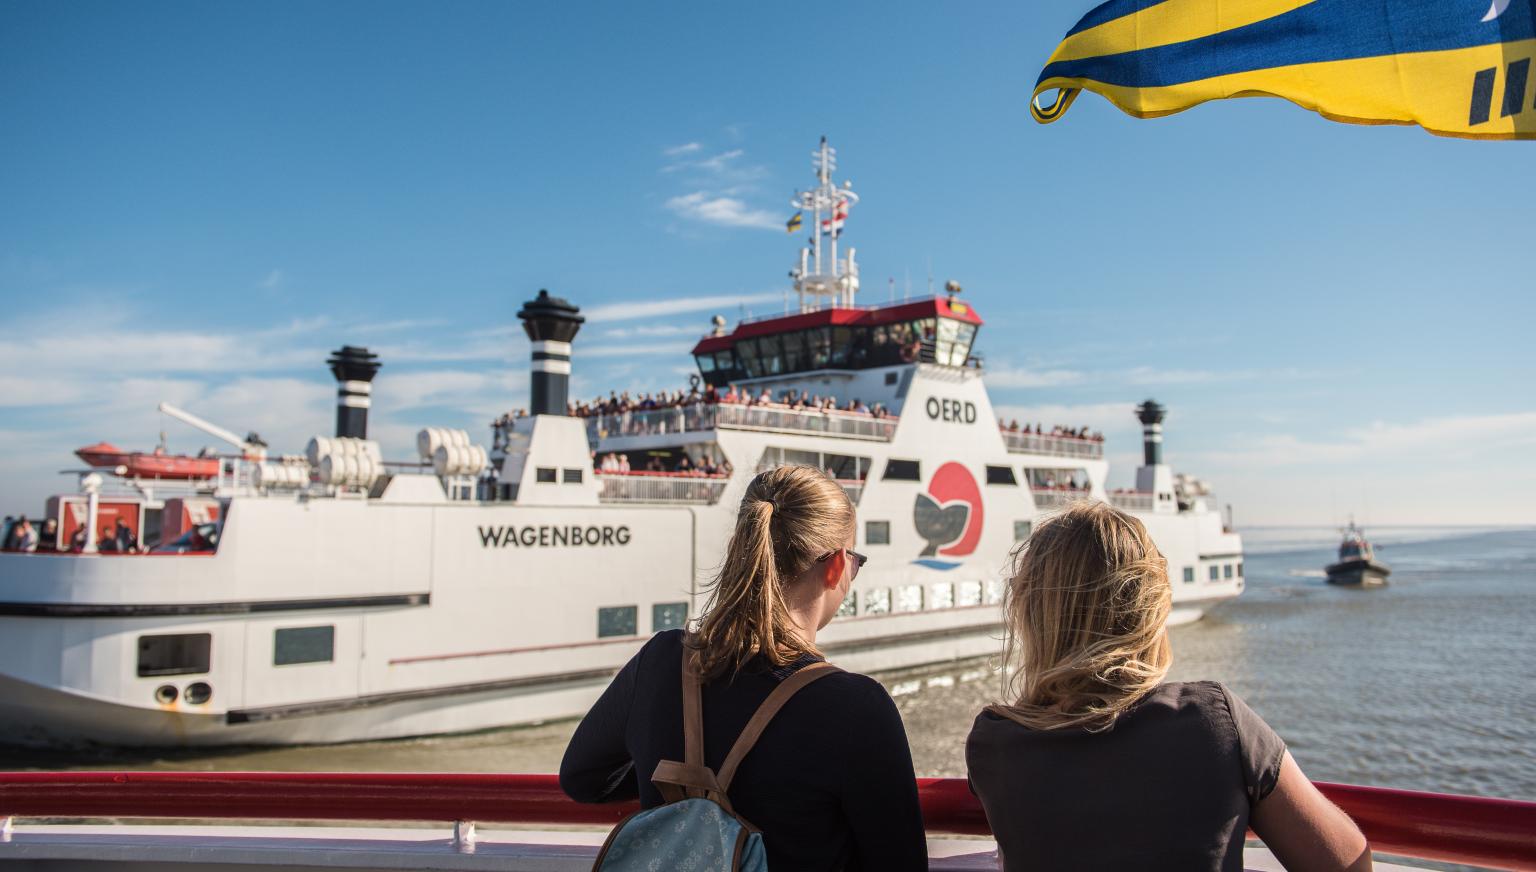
(789, 516)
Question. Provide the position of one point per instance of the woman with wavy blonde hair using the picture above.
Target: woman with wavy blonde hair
(1094, 761)
(829, 781)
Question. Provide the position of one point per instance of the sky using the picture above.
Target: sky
(199, 201)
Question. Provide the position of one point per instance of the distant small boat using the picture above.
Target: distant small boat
(1357, 562)
(156, 464)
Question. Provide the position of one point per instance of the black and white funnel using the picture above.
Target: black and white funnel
(354, 369)
(1151, 416)
(551, 323)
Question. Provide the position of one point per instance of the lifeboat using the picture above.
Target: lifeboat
(155, 464)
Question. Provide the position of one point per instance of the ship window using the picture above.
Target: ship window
(1239, 570)
(890, 378)
(1001, 475)
(795, 357)
(706, 363)
(616, 620)
(909, 598)
(544, 475)
(877, 532)
(1215, 572)
(292, 645)
(968, 593)
(572, 476)
(842, 346)
(668, 616)
(994, 591)
(1226, 571)
(1189, 574)
(903, 470)
(850, 606)
(176, 654)
(941, 595)
(877, 601)
(1020, 530)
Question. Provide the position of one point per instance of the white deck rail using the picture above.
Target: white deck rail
(703, 417)
(660, 488)
(1020, 442)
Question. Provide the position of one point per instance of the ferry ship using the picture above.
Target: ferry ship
(339, 596)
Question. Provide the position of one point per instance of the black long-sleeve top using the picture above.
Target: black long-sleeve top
(829, 783)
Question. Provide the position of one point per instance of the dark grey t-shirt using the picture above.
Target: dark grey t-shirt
(1169, 786)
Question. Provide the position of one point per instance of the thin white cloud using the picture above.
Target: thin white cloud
(1015, 377)
(684, 149)
(723, 211)
(639, 309)
(273, 280)
(1447, 439)
(651, 330)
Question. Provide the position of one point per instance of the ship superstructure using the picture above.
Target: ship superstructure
(336, 595)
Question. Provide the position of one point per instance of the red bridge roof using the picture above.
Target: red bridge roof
(929, 307)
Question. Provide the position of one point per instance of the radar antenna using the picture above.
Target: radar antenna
(834, 283)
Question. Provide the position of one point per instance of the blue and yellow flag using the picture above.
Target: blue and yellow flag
(793, 223)
(1454, 67)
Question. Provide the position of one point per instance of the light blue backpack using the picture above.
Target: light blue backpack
(696, 830)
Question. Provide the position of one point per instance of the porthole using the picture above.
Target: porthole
(165, 694)
(199, 692)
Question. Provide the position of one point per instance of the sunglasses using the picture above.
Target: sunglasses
(858, 560)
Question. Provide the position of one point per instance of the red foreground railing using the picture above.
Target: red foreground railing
(1457, 829)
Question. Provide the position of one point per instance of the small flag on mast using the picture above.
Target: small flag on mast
(793, 223)
(834, 225)
(1452, 68)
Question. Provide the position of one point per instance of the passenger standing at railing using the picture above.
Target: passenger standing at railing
(829, 781)
(1096, 762)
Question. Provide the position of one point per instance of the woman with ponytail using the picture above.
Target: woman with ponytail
(1094, 761)
(829, 781)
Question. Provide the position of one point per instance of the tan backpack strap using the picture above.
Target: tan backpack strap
(765, 712)
(693, 709)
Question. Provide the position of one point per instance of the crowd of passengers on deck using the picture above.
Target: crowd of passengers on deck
(1059, 432)
(623, 406)
(20, 534)
(617, 463)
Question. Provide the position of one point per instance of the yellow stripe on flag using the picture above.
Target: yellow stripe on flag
(1168, 23)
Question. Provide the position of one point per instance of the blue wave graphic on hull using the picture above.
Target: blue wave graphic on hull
(936, 564)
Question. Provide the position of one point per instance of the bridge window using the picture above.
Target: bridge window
(617, 620)
(877, 532)
(668, 616)
(293, 645)
(175, 654)
(1001, 475)
(954, 342)
(903, 470)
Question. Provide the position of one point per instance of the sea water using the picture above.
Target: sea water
(1424, 684)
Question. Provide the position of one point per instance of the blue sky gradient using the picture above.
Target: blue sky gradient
(198, 201)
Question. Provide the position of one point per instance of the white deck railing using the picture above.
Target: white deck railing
(654, 487)
(1020, 442)
(1133, 501)
(1055, 498)
(703, 417)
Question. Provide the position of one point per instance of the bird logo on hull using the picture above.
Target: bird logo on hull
(948, 517)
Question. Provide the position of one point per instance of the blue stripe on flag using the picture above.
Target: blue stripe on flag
(1110, 10)
(1326, 30)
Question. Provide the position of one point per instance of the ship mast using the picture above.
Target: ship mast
(835, 282)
